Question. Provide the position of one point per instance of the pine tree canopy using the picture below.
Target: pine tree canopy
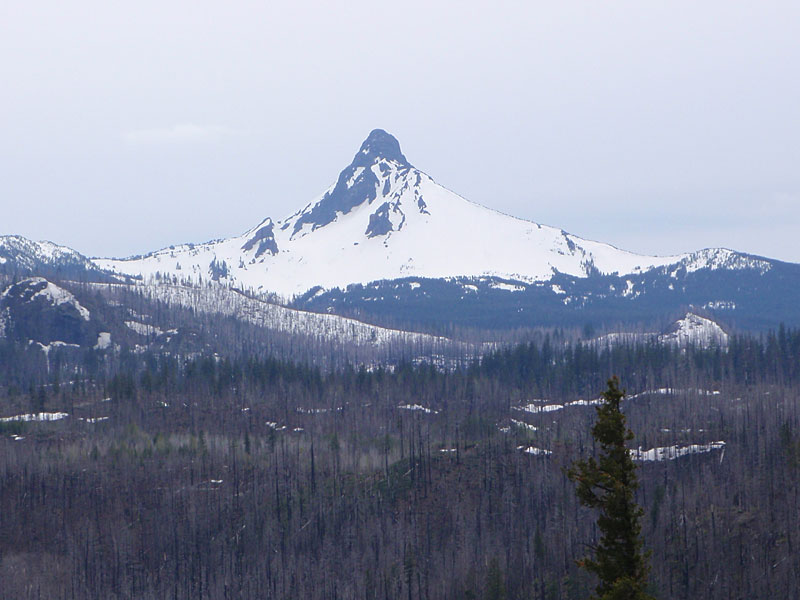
(608, 483)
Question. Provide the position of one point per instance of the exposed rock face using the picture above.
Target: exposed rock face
(37, 310)
(379, 222)
(358, 183)
(264, 238)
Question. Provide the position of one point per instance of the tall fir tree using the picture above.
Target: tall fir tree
(608, 484)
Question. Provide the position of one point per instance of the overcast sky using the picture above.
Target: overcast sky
(660, 127)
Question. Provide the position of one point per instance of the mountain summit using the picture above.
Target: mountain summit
(357, 183)
(384, 219)
(379, 145)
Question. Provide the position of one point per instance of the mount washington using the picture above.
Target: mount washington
(387, 245)
(384, 219)
(386, 242)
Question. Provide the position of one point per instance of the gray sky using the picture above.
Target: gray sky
(660, 127)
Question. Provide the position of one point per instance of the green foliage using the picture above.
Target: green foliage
(608, 484)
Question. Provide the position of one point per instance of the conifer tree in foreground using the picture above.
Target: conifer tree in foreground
(608, 484)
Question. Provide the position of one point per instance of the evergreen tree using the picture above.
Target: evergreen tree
(608, 484)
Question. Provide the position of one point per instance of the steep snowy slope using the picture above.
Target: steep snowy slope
(385, 219)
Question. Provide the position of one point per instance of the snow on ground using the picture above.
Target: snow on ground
(691, 330)
(225, 301)
(418, 407)
(524, 425)
(673, 392)
(143, 328)
(103, 340)
(536, 409)
(507, 287)
(696, 331)
(533, 450)
(46, 348)
(316, 411)
(42, 416)
(674, 452)
(57, 296)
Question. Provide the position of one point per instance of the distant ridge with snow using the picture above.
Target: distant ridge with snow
(388, 245)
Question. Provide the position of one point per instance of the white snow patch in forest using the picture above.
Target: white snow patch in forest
(524, 425)
(595, 402)
(55, 344)
(418, 407)
(95, 419)
(42, 416)
(534, 450)
(536, 409)
(143, 328)
(674, 452)
(103, 340)
(720, 305)
(673, 392)
(316, 411)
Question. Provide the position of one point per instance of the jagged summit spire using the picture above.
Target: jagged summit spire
(380, 144)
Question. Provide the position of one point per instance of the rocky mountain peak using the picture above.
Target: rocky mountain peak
(379, 145)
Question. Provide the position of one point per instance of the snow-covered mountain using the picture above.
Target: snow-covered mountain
(20, 256)
(384, 219)
(387, 244)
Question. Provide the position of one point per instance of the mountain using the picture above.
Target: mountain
(21, 257)
(384, 219)
(386, 243)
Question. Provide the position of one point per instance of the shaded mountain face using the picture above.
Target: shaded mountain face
(38, 310)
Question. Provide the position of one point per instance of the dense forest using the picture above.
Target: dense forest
(154, 475)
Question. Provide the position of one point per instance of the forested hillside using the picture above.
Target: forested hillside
(158, 476)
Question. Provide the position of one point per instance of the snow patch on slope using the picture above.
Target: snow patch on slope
(225, 301)
(694, 330)
(57, 296)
